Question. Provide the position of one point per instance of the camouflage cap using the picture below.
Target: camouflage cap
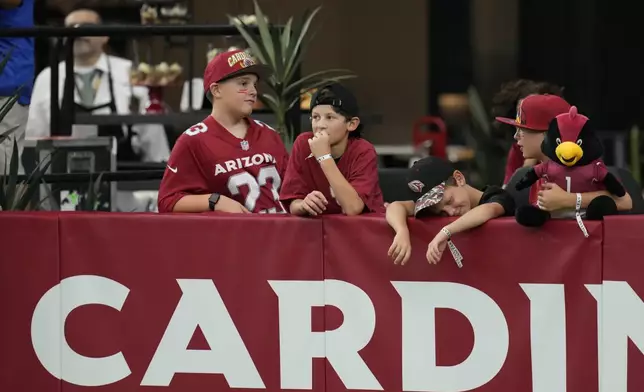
(430, 199)
(426, 180)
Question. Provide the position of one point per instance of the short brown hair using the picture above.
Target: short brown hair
(504, 103)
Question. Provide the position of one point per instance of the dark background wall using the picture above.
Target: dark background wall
(408, 53)
(385, 43)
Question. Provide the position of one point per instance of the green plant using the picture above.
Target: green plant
(18, 195)
(282, 49)
(79, 199)
(91, 200)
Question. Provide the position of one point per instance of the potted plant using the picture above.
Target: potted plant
(282, 49)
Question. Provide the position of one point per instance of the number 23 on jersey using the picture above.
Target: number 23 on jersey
(268, 176)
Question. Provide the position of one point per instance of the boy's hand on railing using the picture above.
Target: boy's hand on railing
(314, 203)
(436, 248)
(226, 204)
(400, 249)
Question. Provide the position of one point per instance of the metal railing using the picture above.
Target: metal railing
(62, 119)
(84, 178)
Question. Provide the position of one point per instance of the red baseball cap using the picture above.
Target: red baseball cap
(535, 112)
(227, 65)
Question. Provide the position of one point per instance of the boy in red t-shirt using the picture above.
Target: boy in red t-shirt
(332, 170)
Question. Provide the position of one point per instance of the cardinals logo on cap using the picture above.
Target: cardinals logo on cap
(416, 186)
(244, 59)
(520, 119)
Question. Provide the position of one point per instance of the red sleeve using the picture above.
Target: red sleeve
(285, 160)
(182, 176)
(514, 162)
(364, 179)
(294, 186)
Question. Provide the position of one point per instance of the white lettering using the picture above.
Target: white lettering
(491, 336)
(202, 306)
(196, 129)
(596, 291)
(244, 162)
(547, 336)
(257, 159)
(219, 170)
(254, 185)
(230, 166)
(298, 345)
(622, 317)
(48, 331)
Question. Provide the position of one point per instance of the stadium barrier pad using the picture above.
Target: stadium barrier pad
(129, 302)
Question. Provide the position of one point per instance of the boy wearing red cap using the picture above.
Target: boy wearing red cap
(228, 162)
(332, 170)
(505, 103)
(534, 115)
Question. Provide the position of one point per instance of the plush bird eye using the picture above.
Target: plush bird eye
(579, 142)
(558, 141)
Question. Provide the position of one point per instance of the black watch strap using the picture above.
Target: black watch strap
(212, 201)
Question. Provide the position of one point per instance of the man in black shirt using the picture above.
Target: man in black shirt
(435, 188)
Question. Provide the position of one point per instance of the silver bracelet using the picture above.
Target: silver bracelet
(324, 157)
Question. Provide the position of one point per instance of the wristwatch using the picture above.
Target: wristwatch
(212, 201)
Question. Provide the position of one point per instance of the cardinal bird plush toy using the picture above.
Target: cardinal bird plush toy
(575, 165)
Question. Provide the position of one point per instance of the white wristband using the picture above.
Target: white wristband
(456, 254)
(580, 222)
(325, 157)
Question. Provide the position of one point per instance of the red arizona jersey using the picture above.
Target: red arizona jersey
(578, 179)
(358, 165)
(209, 159)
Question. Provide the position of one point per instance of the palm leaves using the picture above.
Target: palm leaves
(282, 49)
(19, 196)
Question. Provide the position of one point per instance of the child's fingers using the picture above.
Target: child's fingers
(320, 196)
(313, 204)
(406, 257)
(308, 209)
(390, 251)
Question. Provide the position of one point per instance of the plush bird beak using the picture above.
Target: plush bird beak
(569, 153)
